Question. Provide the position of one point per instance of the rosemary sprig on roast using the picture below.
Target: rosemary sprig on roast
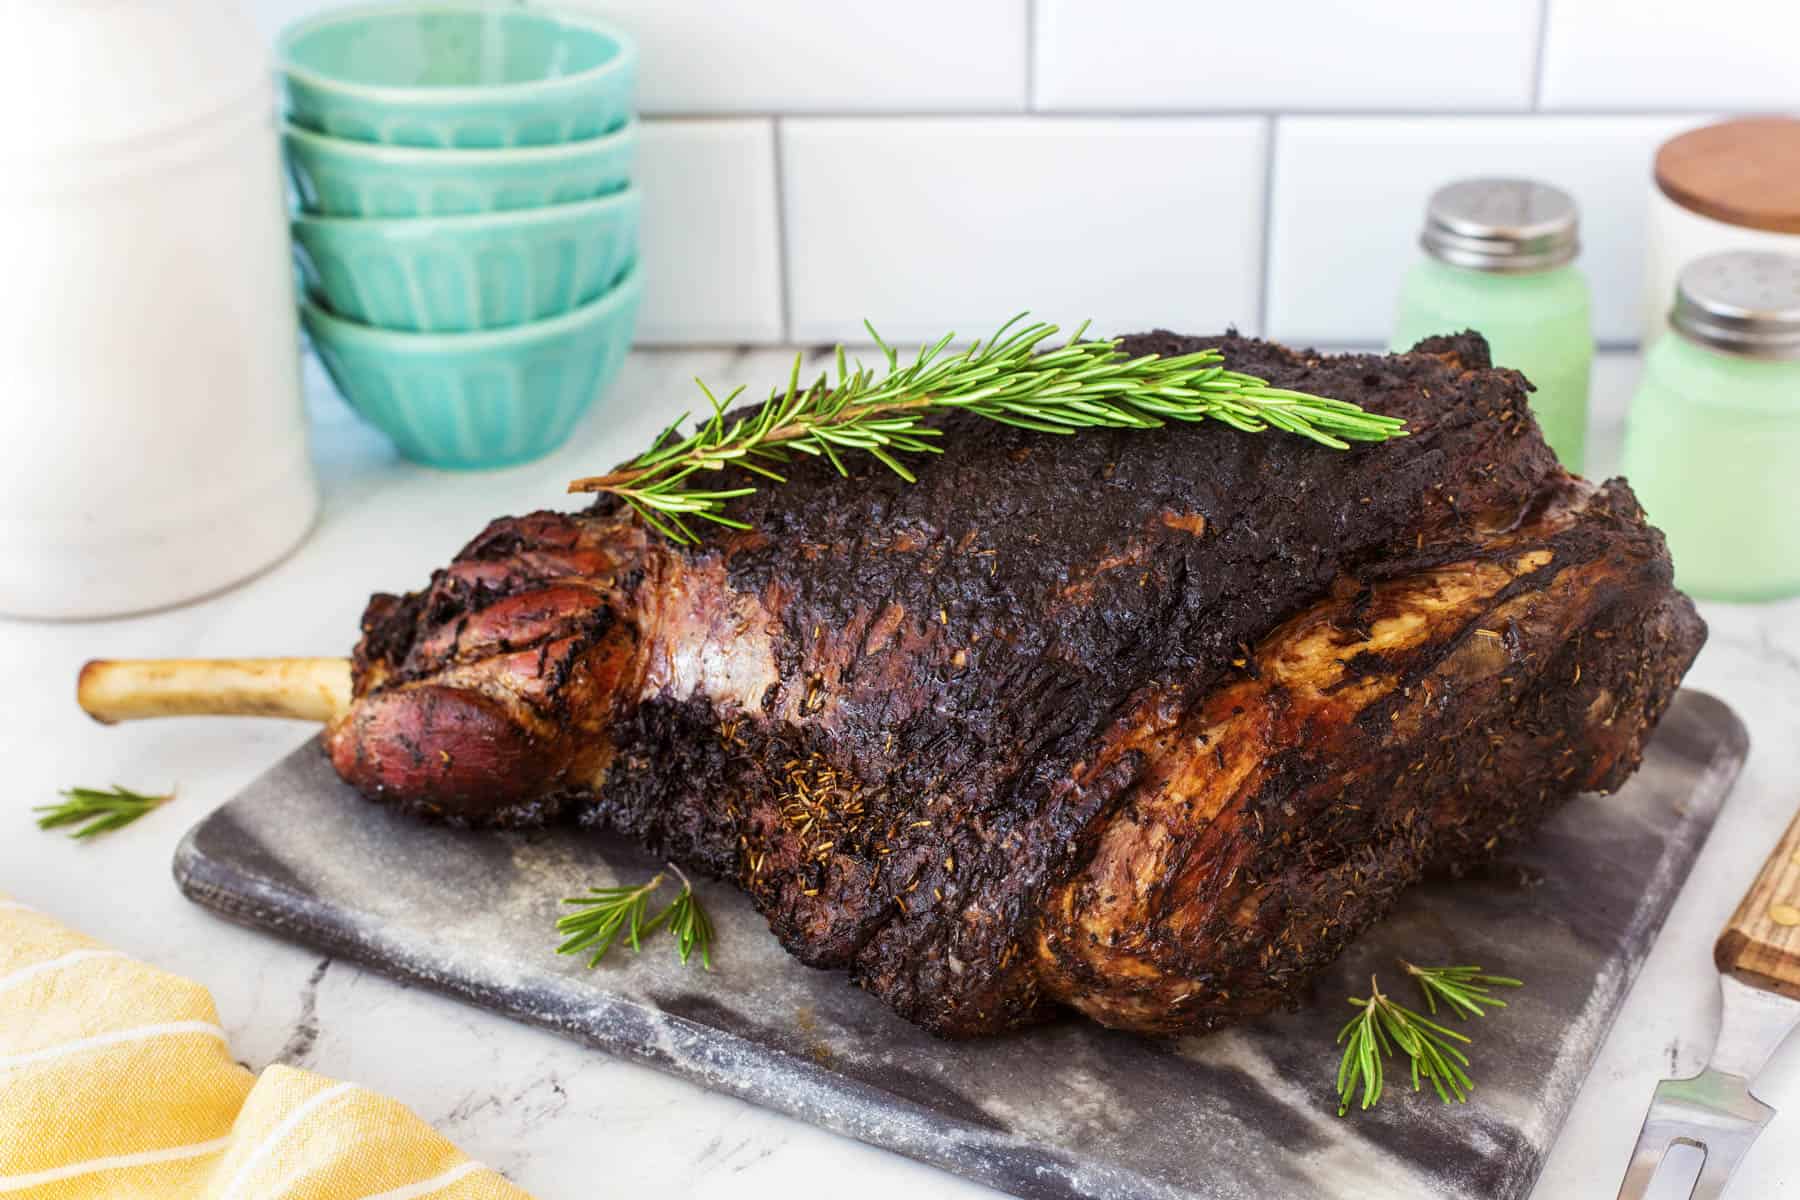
(98, 811)
(1008, 378)
(1384, 1025)
(611, 912)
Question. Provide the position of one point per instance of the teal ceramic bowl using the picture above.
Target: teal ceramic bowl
(471, 400)
(336, 178)
(461, 274)
(457, 75)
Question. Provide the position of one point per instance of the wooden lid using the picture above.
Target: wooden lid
(1744, 172)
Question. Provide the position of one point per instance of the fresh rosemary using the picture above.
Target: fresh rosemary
(1384, 1025)
(97, 811)
(1008, 378)
(611, 911)
(1462, 989)
(689, 923)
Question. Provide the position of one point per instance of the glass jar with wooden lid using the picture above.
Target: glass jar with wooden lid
(1730, 186)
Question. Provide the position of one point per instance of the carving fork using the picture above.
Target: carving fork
(1758, 957)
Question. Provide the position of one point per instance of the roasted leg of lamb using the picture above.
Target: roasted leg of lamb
(1142, 724)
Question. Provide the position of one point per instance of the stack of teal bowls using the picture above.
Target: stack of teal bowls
(468, 231)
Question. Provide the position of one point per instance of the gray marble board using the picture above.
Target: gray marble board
(1068, 1110)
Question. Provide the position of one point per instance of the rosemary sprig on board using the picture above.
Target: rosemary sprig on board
(607, 913)
(688, 922)
(611, 911)
(1384, 1025)
(98, 811)
(1009, 378)
(1462, 989)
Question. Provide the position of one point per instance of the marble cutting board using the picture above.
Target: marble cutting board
(1069, 1110)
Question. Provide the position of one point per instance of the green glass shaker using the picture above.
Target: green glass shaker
(1499, 257)
(1712, 446)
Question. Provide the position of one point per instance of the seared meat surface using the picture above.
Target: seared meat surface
(1147, 724)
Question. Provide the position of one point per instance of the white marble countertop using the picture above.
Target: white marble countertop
(564, 1121)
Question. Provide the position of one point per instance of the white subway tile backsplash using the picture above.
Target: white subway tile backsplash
(1349, 196)
(724, 56)
(710, 240)
(1110, 55)
(928, 225)
(922, 190)
(1645, 54)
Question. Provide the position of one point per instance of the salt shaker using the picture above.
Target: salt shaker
(1499, 259)
(153, 447)
(1712, 445)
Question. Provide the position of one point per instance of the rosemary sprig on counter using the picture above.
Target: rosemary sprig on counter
(98, 811)
(1009, 378)
(1385, 1025)
(611, 911)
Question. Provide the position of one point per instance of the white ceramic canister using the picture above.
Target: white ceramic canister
(1730, 186)
(152, 433)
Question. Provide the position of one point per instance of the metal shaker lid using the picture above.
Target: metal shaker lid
(1743, 302)
(1511, 225)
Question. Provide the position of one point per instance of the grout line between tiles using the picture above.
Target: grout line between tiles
(1537, 60)
(1185, 114)
(783, 261)
(1030, 55)
(1271, 131)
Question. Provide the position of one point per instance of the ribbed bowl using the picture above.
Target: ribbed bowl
(461, 274)
(472, 400)
(338, 178)
(457, 75)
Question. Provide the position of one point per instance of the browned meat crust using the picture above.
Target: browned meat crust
(1146, 724)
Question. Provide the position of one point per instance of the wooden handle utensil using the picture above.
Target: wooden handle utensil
(1761, 945)
(306, 689)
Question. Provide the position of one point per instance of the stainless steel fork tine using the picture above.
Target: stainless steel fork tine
(1717, 1170)
(1648, 1157)
(1712, 1112)
(1758, 957)
(1644, 1162)
(1652, 1147)
(1710, 1187)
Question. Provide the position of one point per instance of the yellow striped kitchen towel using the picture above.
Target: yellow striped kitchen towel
(115, 1081)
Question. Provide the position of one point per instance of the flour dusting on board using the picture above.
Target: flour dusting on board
(1068, 1110)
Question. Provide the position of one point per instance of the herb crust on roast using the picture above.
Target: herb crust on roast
(1145, 724)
